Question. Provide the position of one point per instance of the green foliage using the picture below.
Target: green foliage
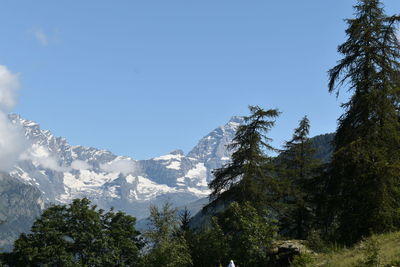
(172, 253)
(162, 223)
(209, 246)
(122, 239)
(242, 233)
(371, 252)
(363, 188)
(78, 235)
(184, 218)
(167, 245)
(382, 248)
(248, 232)
(394, 263)
(316, 243)
(303, 260)
(248, 177)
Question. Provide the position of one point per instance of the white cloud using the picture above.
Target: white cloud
(12, 143)
(50, 163)
(123, 166)
(80, 165)
(12, 139)
(41, 36)
(40, 156)
(9, 85)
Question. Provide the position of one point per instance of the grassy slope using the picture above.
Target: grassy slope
(389, 252)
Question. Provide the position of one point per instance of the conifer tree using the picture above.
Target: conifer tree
(298, 168)
(184, 218)
(248, 176)
(185, 230)
(364, 185)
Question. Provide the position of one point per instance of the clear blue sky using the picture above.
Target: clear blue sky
(142, 78)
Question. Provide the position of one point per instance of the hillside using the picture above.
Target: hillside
(387, 247)
(20, 205)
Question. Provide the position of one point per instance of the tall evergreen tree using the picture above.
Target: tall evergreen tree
(248, 176)
(298, 168)
(184, 218)
(364, 181)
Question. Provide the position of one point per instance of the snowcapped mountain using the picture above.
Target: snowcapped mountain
(63, 172)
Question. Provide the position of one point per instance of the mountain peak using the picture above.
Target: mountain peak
(15, 118)
(237, 119)
(177, 152)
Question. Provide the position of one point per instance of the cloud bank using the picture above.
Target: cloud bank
(9, 85)
(80, 165)
(12, 139)
(40, 156)
(123, 166)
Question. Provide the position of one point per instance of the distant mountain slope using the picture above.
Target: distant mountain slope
(323, 146)
(20, 205)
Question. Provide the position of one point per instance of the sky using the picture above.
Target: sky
(143, 78)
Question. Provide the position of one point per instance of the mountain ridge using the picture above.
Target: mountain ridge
(62, 171)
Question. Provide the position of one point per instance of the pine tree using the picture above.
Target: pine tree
(184, 218)
(298, 168)
(247, 177)
(185, 230)
(364, 186)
